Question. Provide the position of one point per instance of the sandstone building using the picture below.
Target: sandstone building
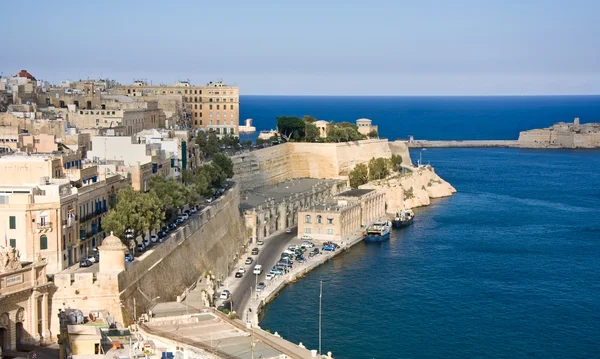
(214, 107)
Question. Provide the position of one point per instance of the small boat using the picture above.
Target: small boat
(378, 232)
(403, 218)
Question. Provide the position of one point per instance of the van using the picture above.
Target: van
(257, 269)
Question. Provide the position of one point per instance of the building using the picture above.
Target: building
(214, 107)
(322, 127)
(52, 206)
(24, 298)
(342, 215)
(247, 127)
(562, 135)
(365, 127)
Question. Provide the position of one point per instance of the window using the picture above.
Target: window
(329, 231)
(319, 219)
(329, 220)
(12, 222)
(195, 114)
(307, 219)
(64, 243)
(218, 107)
(43, 242)
(13, 243)
(196, 122)
(195, 107)
(210, 107)
(306, 230)
(231, 107)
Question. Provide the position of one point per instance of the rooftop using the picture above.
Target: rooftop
(358, 192)
(280, 191)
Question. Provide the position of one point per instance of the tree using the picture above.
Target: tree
(359, 175)
(230, 140)
(136, 211)
(171, 194)
(291, 127)
(309, 119)
(225, 163)
(311, 131)
(378, 168)
(373, 134)
(396, 161)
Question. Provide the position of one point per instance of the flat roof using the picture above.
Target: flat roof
(357, 192)
(280, 191)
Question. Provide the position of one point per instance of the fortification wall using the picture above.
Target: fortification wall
(310, 160)
(209, 242)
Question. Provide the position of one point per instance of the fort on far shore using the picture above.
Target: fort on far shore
(559, 135)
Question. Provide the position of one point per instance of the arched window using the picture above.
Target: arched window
(43, 242)
(319, 219)
(307, 219)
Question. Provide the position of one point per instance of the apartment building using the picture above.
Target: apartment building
(51, 206)
(214, 107)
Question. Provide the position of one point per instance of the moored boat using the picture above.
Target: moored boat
(403, 218)
(378, 232)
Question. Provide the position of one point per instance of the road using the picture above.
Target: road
(268, 255)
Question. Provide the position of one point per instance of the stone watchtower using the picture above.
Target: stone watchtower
(112, 255)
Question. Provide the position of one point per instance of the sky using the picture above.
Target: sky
(309, 47)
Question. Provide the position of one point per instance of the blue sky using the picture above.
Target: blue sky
(342, 47)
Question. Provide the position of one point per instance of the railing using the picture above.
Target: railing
(93, 214)
(44, 225)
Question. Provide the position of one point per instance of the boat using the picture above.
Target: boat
(403, 218)
(378, 232)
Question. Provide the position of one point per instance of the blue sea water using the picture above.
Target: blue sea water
(509, 267)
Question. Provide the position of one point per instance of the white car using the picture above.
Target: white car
(154, 238)
(257, 269)
(260, 242)
(270, 276)
(185, 216)
(242, 269)
(306, 237)
(293, 247)
(147, 242)
(224, 295)
(307, 244)
(288, 230)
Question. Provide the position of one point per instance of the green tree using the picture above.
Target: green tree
(231, 141)
(378, 168)
(171, 194)
(309, 119)
(137, 211)
(359, 175)
(373, 134)
(225, 163)
(311, 131)
(291, 127)
(396, 161)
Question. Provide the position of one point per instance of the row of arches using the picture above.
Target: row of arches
(5, 330)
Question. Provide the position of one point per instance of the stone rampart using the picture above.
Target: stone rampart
(310, 160)
(208, 242)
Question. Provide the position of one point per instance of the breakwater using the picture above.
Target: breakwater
(462, 144)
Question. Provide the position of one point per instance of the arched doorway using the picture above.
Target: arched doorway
(4, 333)
(19, 331)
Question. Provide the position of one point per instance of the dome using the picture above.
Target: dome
(112, 243)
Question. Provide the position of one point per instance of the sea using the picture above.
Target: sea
(508, 267)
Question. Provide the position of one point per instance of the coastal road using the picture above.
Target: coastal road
(268, 255)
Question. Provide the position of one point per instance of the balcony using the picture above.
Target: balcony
(93, 214)
(44, 225)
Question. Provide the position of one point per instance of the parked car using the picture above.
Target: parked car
(224, 295)
(293, 247)
(209, 200)
(307, 244)
(260, 287)
(180, 220)
(257, 269)
(185, 216)
(239, 274)
(141, 247)
(270, 276)
(300, 259)
(314, 252)
(193, 209)
(172, 226)
(187, 211)
(254, 251)
(306, 237)
(128, 257)
(92, 259)
(162, 234)
(288, 230)
(260, 242)
(329, 248)
(249, 260)
(154, 238)
(85, 263)
(276, 271)
(147, 242)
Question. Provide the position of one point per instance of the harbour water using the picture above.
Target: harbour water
(506, 268)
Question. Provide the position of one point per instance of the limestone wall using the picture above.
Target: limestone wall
(209, 242)
(310, 160)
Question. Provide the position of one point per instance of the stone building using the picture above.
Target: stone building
(365, 127)
(342, 215)
(24, 298)
(322, 127)
(214, 107)
(562, 135)
(274, 208)
(52, 206)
